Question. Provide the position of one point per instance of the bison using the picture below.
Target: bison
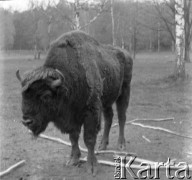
(79, 80)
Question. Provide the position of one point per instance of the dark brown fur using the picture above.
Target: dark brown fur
(94, 76)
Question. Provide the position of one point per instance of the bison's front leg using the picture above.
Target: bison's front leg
(91, 127)
(75, 152)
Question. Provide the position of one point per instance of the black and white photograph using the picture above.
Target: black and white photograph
(95, 89)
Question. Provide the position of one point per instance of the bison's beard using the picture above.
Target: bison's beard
(38, 128)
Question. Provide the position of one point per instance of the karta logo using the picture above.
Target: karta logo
(127, 165)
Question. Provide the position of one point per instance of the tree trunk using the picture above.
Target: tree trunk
(187, 53)
(180, 38)
(173, 46)
(113, 24)
(173, 39)
(49, 31)
(135, 24)
(39, 55)
(87, 29)
(35, 52)
(150, 43)
(158, 38)
(122, 43)
(130, 46)
(187, 6)
(77, 15)
(134, 45)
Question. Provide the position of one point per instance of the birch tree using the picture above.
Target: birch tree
(77, 14)
(113, 23)
(100, 6)
(188, 27)
(135, 29)
(158, 37)
(180, 39)
(84, 5)
(168, 18)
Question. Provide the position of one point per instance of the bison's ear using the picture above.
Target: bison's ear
(56, 83)
(46, 96)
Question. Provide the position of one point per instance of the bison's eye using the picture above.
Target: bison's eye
(46, 96)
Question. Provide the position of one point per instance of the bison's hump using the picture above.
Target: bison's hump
(73, 39)
(87, 64)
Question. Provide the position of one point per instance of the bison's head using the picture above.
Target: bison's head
(40, 93)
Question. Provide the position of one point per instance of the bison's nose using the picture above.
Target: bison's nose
(26, 121)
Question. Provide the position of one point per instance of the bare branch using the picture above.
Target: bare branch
(102, 9)
(149, 27)
(167, 23)
(171, 6)
(65, 17)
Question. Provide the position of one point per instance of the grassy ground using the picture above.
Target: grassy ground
(153, 95)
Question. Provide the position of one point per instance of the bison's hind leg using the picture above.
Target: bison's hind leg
(108, 116)
(122, 105)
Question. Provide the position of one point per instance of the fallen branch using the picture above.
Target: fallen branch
(7, 171)
(115, 152)
(189, 153)
(133, 122)
(146, 139)
(161, 129)
(159, 119)
(137, 166)
(58, 140)
(140, 160)
(155, 120)
(110, 163)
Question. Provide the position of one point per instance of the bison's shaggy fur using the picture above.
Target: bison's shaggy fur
(79, 79)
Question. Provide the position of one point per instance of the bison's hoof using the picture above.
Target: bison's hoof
(73, 161)
(121, 144)
(103, 145)
(92, 168)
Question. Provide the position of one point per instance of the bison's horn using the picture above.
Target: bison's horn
(56, 83)
(59, 73)
(18, 76)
